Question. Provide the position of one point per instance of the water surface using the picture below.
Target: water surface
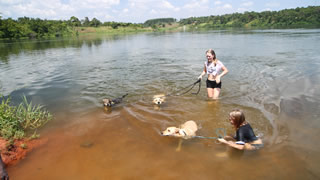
(273, 77)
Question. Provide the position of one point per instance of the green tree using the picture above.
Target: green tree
(74, 21)
(86, 22)
(159, 21)
(95, 22)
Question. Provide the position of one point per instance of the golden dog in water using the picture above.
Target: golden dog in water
(159, 99)
(185, 131)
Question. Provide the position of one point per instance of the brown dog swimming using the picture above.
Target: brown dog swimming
(111, 102)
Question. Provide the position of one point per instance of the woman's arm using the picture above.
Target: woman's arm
(231, 144)
(224, 72)
(203, 72)
(229, 138)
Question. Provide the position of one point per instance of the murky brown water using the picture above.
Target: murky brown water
(278, 92)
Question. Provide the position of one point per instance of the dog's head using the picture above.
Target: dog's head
(171, 131)
(158, 99)
(107, 102)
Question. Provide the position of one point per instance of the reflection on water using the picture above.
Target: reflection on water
(274, 78)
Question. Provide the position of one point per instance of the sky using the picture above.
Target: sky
(138, 11)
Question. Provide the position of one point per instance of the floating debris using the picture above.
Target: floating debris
(86, 144)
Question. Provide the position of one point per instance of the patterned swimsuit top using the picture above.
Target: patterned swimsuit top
(214, 69)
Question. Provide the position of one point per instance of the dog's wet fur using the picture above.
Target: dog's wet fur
(111, 102)
(159, 99)
(185, 131)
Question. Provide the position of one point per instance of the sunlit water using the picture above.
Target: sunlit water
(273, 77)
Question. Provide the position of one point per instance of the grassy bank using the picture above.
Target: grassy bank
(18, 126)
(22, 121)
(109, 30)
(168, 27)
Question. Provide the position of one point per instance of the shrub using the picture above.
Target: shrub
(16, 122)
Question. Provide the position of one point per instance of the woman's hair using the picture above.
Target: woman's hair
(237, 117)
(211, 51)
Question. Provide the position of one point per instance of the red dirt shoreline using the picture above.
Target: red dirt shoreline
(16, 152)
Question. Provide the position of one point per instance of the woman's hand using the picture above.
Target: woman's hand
(200, 77)
(222, 140)
(218, 79)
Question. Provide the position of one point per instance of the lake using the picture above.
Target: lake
(274, 77)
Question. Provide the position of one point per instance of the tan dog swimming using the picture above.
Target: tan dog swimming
(159, 99)
(186, 130)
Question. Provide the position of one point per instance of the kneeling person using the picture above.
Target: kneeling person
(245, 137)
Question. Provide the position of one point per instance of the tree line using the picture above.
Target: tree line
(25, 27)
(159, 21)
(284, 18)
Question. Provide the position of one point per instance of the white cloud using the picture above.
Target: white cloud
(125, 10)
(98, 2)
(217, 2)
(227, 6)
(153, 11)
(196, 4)
(150, 9)
(107, 16)
(223, 9)
(11, 2)
(130, 10)
(166, 4)
(141, 4)
(240, 10)
(247, 4)
(273, 4)
(93, 4)
(56, 9)
(267, 9)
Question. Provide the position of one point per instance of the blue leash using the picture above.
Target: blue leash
(203, 137)
(218, 130)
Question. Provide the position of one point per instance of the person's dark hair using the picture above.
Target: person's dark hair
(211, 51)
(237, 116)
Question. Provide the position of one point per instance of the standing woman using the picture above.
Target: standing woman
(215, 70)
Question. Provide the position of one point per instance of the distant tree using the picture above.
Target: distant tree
(159, 21)
(286, 18)
(115, 25)
(86, 22)
(95, 22)
(74, 21)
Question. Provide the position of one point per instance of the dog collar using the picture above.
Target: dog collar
(183, 132)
